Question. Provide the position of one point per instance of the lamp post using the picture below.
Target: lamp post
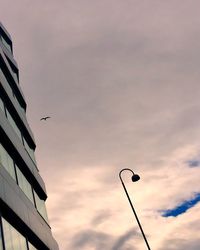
(135, 178)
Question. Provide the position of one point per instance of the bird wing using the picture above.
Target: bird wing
(44, 118)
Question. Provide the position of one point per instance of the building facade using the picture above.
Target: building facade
(23, 218)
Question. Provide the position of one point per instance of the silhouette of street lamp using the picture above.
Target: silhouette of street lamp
(134, 178)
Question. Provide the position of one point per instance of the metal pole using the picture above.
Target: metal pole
(140, 226)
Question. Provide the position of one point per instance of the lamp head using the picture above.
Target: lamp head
(135, 178)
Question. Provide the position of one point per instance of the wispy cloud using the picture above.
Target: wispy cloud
(90, 239)
(193, 163)
(121, 243)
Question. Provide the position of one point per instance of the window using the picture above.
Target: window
(31, 247)
(11, 120)
(14, 69)
(7, 162)
(5, 77)
(24, 184)
(6, 44)
(13, 239)
(2, 105)
(13, 124)
(1, 240)
(29, 150)
(20, 106)
(17, 131)
(40, 205)
(15, 76)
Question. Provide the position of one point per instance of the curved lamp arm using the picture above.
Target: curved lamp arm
(125, 169)
(135, 177)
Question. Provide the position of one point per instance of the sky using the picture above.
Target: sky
(120, 80)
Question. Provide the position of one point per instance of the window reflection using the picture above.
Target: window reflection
(29, 150)
(7, 162)
(6, 44)
(15, 76)
(24, 184)
(40, 205)
(31, 247)
(13, 124)
(5, 79)
(1, 240)
(11, 167)
(1, 105)
(13, 239)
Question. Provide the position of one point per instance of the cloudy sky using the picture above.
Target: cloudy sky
(120, 80)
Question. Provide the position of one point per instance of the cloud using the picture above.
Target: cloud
(90, 239)
(121, 243)
(193, 163)
(100, 240)
(178, 244)
(183, 232)
(101, 217)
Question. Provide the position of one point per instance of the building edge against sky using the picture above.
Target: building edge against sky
(23, 218)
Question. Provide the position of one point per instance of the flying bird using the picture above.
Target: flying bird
(45, 118)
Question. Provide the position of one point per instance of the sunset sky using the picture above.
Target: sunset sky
(121, 82)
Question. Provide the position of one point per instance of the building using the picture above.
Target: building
(23, 218)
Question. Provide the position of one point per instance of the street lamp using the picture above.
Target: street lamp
(134, 178)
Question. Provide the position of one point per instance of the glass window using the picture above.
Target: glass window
(29, 150)
(13, 239)
(13, 124)
(6, 44)
(1, 240)
(2, 105)
(3, 75)
(24, 184)
(7, 162)
(15, 76)
(31, 247)
(14, 70)
(40, 205)
(22, 109)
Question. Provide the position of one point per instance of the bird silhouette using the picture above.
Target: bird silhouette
(45, 118)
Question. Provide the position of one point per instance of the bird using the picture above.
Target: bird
(45, 118)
